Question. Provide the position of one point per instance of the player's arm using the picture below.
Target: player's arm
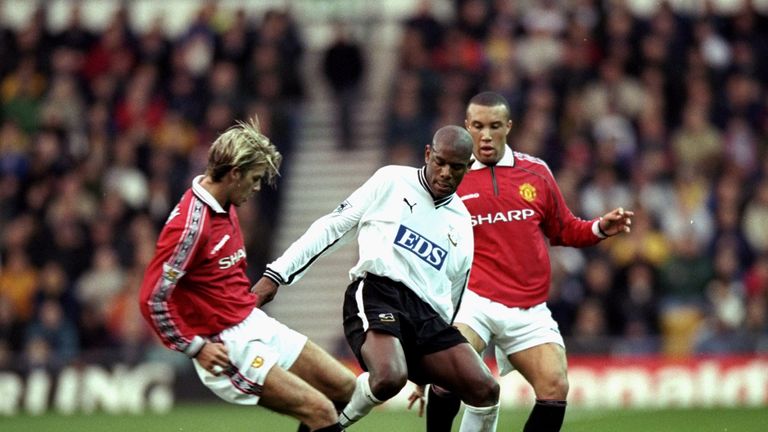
(615, 222)
(561, 226)
(174, 255)
(322, 237)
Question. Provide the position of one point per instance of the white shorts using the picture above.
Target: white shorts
(510, 329)
(254, 345)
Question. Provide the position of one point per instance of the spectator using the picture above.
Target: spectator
(11, 327)
(697, 144)
(590, 331)
(685, 274)
(755, 215)
(51, 335)
(98, 286)
(638, 314)
(426, 25)
(18, 282)
(21, 93)
(343, 68)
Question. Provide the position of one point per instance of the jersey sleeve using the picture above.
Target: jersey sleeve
(325, 234)
(174, 256)
(561, 226)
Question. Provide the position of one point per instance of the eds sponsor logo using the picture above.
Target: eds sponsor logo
(423, 248)
(509, 216)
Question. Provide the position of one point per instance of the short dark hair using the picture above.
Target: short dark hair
(455, 136)
(491, 99)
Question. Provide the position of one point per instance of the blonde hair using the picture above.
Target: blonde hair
(243, 146)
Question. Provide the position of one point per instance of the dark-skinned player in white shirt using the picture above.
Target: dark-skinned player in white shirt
(415, 246)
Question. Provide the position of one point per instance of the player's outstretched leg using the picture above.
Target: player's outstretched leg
(442, 407)
(361, 404)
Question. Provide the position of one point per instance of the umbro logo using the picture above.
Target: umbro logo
(175, 212)
(220, 244)
(410, 206)
(387, 317)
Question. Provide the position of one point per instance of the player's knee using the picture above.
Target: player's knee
(345, 388)
(561, 387)
(484, 392)
(555, 387)
(490, 392)
(319, 413)
(387, 383)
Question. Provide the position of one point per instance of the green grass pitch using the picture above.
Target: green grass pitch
(216, 417)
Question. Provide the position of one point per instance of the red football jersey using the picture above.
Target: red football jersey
(514, 206)
(196, 283)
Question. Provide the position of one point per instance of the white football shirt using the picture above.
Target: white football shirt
(403, 234)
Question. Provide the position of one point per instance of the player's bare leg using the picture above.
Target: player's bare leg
(443, 406)
(545, 367)
(461, 371)
(286, 393)
(325, 373)
(387, 374)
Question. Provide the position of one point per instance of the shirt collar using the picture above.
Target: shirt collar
(507, 160)
(205, 196)
(423, 180)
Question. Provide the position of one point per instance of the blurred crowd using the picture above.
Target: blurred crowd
(665, 114)
(101, 132)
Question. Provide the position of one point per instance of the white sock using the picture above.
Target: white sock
(361, 404)
(479, 419)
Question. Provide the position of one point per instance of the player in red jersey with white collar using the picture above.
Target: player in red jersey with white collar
(197, 296)
(515, 204)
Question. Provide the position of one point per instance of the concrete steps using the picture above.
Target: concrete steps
(321, 177)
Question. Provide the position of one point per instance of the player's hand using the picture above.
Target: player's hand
(616, 221)
(213, 357)
(417, 395)
(265, 289)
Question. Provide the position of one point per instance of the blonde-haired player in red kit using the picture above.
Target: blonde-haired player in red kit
(516, 206)
(197, 297)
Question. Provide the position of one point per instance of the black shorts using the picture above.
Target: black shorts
(378, 303)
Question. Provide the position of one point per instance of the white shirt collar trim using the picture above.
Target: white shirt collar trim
(507, 160)
(206, 196)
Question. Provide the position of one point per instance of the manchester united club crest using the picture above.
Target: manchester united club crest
(528, 192)
(257, 362)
